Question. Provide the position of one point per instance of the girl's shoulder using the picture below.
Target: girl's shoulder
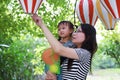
(69, 44)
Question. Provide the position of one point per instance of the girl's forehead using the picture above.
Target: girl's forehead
(63, 25)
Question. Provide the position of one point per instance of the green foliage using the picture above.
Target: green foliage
(114, 46)
(15, 61)
(53, 11)
(110, 45)
(103, 61)
(37, 61)
(22, 59)
(14, 22)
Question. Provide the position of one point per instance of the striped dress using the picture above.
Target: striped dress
(80, 68)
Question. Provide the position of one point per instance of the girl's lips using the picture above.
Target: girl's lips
(61, 33)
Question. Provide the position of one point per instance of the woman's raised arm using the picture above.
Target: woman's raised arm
(55, 44)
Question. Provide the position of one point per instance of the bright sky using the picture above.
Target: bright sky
(73, 1)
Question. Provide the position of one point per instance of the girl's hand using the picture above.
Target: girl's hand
(50, 76)
(37, 20)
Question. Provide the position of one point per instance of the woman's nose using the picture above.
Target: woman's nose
(73, 33)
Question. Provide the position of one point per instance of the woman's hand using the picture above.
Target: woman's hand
(50, 76)
(55, 44)
(37, 20)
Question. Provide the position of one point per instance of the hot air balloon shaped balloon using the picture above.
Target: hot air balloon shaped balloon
(85, 11)
(104, 16)
(113, 6)
(52, 60)
(30, 6)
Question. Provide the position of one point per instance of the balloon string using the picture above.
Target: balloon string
(74, 14)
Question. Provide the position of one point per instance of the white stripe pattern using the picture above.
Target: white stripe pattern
(86, 12)
(79, 68)
(30, 6)
(104, 15)
(113, 6)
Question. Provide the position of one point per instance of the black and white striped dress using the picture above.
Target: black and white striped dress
(80, 68)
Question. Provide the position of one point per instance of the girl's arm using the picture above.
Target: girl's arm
(55, 44)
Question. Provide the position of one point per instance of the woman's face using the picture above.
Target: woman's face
(78, 37)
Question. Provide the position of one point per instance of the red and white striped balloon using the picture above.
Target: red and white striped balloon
(104, 16)
(113, 6)
(30, 6)
(85, 11)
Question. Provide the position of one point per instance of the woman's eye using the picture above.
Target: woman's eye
(78, 31)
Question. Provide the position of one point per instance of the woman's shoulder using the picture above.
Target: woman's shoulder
(81, 50)
(83, 54)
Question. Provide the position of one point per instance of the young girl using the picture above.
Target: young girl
(85, 40)
(65, 30)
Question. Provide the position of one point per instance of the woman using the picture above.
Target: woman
(85, 40)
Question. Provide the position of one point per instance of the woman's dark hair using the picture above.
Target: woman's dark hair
(70, 25)
(90, 42)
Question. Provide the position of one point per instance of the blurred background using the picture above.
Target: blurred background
(22, 42)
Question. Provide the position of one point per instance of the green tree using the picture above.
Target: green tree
(21, 60)
(110, 44)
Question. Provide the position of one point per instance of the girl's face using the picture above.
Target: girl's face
(64, 31)
(78, 37)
